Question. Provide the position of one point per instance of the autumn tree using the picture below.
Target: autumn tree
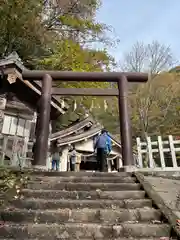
(73, 50)
(71, 56)
(151, 102)
(32, 28)
(107, 114)
(152, 105)
(75, 20)
(59, 35)
(21, 28)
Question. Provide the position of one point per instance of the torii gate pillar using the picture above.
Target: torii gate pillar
(125, 125)
(42, 127)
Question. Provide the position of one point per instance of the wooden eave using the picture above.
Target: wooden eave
(12, 72)
(72, 129)
(79, 137)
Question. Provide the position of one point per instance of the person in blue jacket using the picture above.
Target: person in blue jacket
(103, 147)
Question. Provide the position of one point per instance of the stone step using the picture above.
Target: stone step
(82, 230)
(54, 194)
(47, 238)
(83, 186)
(82, 215)
(37, 203)
(84, 179)
(80, 174)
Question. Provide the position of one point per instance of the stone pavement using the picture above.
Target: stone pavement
(168, 189)
(164, 189)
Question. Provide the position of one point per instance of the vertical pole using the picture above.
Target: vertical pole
(42, 131)
(125, 127)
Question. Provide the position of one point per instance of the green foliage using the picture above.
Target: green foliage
(82, 25)
(21, 28)
(60, 37)
(32, 28)
(11, 183)
(71, 56)
(109, 120)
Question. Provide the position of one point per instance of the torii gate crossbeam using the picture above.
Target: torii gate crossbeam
(121, 78)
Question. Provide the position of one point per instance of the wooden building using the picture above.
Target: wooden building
(82, 135)
(18, 111)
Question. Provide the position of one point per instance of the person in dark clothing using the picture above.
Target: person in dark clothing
(103, 147)
(33, 149)
(55, 156)
(72, 158)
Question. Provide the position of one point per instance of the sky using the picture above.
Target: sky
(142, 20)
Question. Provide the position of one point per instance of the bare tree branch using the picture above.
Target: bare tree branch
(148, 100)
(152, 58)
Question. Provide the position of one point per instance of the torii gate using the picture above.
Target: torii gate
(121, 78)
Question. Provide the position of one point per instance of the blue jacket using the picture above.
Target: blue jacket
(103, 141)
(108, 143)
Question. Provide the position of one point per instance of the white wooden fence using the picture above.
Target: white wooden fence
(159, 154)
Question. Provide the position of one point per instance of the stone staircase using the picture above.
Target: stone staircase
(84, 206)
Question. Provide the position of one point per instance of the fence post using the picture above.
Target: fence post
(149, 152)
(172, 150)
(14, 158)
(4, 146)
(140, 162)
(25, 162)
(161, 151)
